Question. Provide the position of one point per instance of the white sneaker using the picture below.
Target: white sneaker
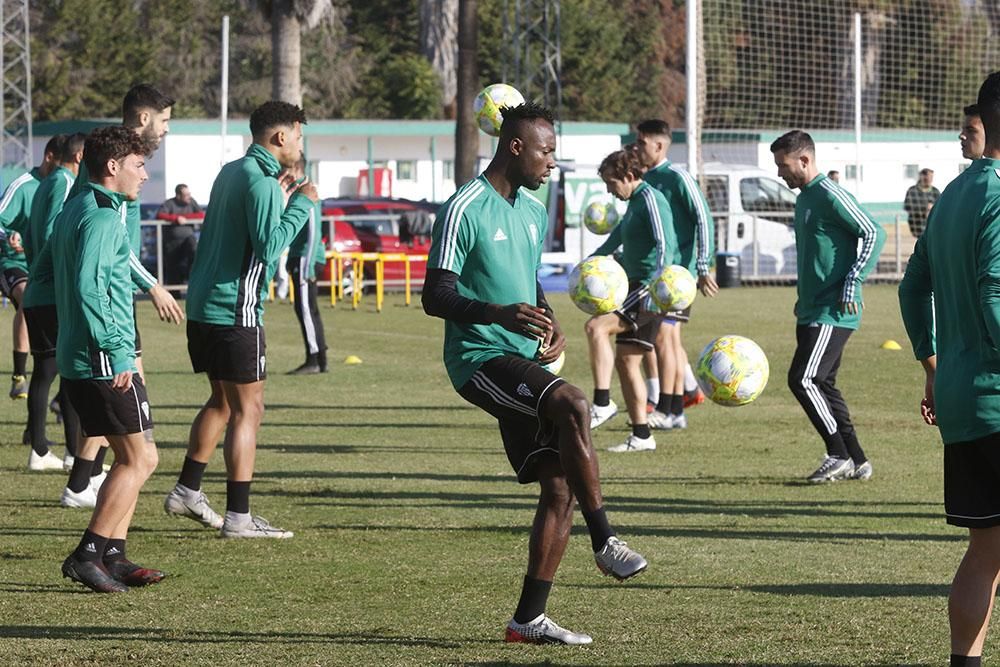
(602, 413)
(635, 444)
(83, 500)
(183, 501)
(543, 630)
(97, 481)
(244, 525)
(680, 421)
(42, 463)
(616, 559)
(862, 472)
(831, 470)
(660, 421)
(68, 461)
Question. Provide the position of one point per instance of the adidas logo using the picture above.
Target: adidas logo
(499, 236)
(112, 551)
(90, 548)
(523, 390)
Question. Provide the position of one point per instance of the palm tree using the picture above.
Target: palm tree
(439, 43)
(288, 18)
(466, 133)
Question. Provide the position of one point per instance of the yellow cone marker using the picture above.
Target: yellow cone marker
(352, 359)
(891, 345)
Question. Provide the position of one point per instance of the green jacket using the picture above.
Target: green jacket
(646, 236)
(15, 210)
(45, 208)
(693, 223)
(88, 255)
(309, 243)
(247, 226)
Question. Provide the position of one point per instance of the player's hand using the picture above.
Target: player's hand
(851, 307)
(286, 180)
(552, 345)
(707, 285)
(308, 188)
(122, 382)
(14, 241)
(927, 410)
(166, 307)
(523, 318)
(181, 220)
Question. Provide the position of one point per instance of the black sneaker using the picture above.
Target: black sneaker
(131, 574)
(92, 575)
(308, 368)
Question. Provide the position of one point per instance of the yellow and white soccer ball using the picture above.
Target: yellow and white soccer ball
(601, 217)
(732, 370)
(674, 289)
(557, 365)
(487, 106)
(598, 285)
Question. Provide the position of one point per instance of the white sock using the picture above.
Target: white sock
(690, 383)
(237, 517)
(652, 389)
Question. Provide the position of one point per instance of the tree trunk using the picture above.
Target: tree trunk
(439, 43)
(286, 53)
(466, 132)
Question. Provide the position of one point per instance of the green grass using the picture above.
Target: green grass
(411, 532)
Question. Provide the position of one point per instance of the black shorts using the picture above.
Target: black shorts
(43, 330)
(107, 411)
(640, 316)
(11, 278)
(972, 482)
(511, 389)
(138, 339)
(678, 315)
(228, 354)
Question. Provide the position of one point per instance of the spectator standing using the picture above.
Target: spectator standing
(179, 240)
(919, 200)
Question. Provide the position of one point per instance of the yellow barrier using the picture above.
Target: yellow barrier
(357, 261)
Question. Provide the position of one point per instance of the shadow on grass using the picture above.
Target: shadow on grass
(172, 636)
(797, 663)
(415, 425)
(827, 590)
(351, 408)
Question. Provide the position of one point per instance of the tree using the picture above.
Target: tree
(287, 18)
(439, 43)
(466, 132)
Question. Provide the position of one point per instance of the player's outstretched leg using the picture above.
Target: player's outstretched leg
(973, 591)
(186, 498)
(549, 536)
(567, 407)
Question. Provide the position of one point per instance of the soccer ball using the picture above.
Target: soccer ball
(598, 285)
(601, 218)
(732, 370)
(674, 289)
(555, 366)
(487, 106)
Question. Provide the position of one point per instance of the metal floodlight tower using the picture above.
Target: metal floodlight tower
(15, 85)
(535, 65)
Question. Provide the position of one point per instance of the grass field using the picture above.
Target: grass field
(411, 532)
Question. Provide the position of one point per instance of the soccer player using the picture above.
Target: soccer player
(972, 136)
(15, 210)
(832, 265)
(306, 257)
(40, 314)
(695, 231)
(485, 249)
(88, 256)
(648, 244)
(247, 226)
(950, 302)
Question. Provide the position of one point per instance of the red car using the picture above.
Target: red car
(387, 226)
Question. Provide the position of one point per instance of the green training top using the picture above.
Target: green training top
(646, 236)
(242, 238)
(693, 222)
(141, 278)
(308, 242)
(15, 210)
(89, 256)
(495, 247)
(828, 223)
(953, 280)
(45, 208)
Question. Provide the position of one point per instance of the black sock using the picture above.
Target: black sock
(966, 660)
(641, 430)
(43, 373)
(191, 473)
(98, 466)
(599, 528)
(114, 550)
(854, 447)
(677, 404)
(238, 497)
(20, 363)
(663, 405)
(91, 547)
(602, 397)
(79, 476)
(835, 446)
(534, 596)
